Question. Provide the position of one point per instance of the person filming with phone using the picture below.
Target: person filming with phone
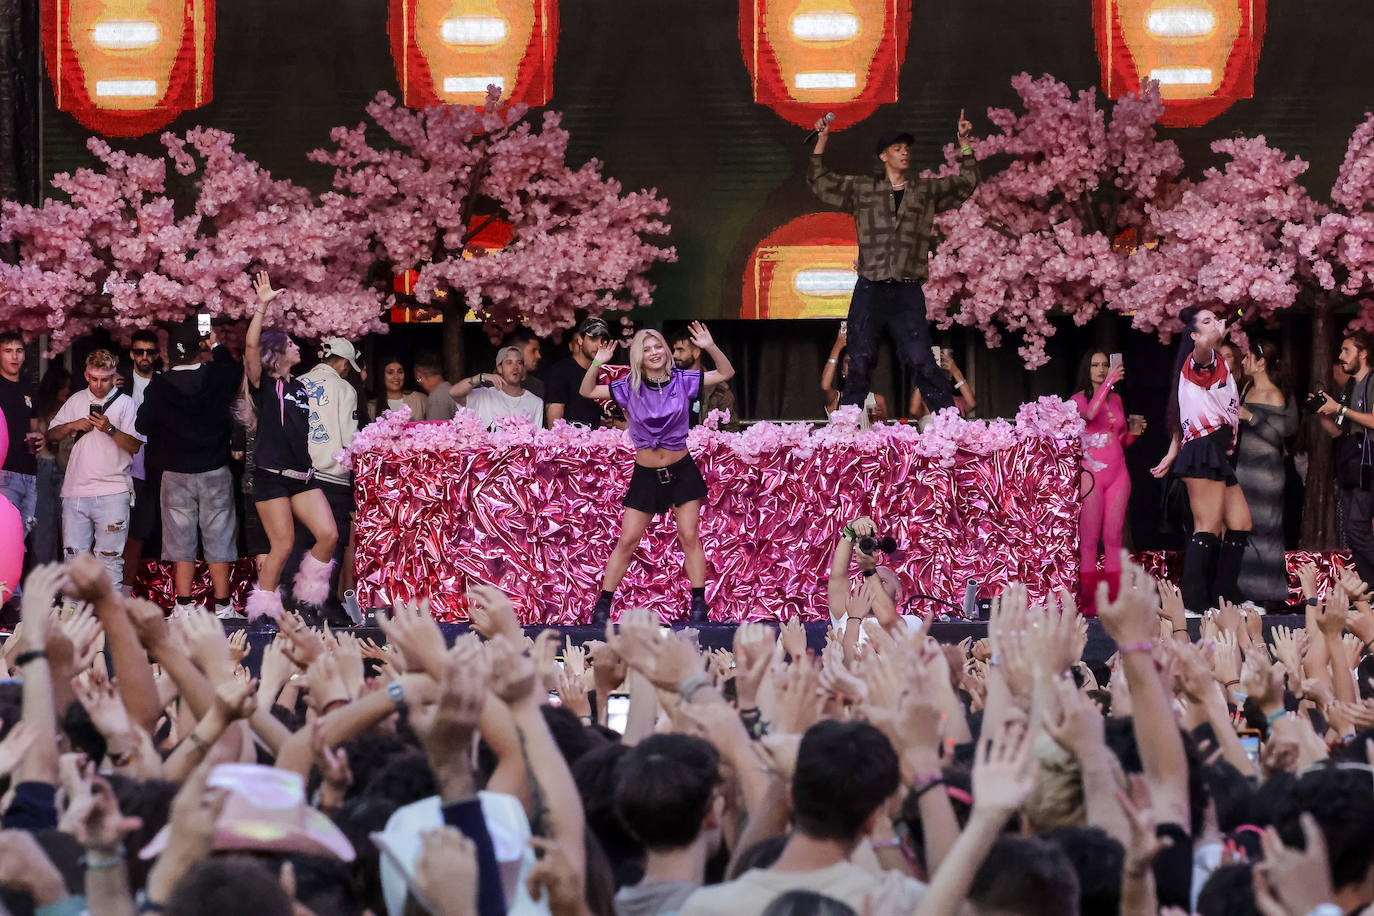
(1107, 486)
(95, 492)
(1349, 421)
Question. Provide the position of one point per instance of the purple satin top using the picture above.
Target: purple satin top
(659, 415)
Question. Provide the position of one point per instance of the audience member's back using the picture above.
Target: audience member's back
(845, 773)
(666, 795)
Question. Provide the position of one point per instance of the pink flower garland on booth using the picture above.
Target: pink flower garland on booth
(444, 505)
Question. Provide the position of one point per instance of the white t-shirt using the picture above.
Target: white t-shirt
(490, 404)
(98, 466)
(140, 388)
(750, 894)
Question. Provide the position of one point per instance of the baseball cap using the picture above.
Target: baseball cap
(337, 346)
(595, 328)
(183, 341)
(506, 353)
(888, 139)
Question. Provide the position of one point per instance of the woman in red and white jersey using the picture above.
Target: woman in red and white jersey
(1203, 415)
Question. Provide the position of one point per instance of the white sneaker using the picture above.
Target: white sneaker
(229, 613)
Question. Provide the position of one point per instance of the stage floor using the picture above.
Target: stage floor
(720, 635)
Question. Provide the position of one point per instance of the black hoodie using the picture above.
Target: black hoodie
(186, 415)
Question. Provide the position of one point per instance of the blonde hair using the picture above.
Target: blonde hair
(101, 359)
(637, 356)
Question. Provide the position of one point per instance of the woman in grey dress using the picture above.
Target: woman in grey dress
(1268, 418)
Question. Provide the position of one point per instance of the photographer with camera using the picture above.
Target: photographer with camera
(878, 596)
(1349, 421)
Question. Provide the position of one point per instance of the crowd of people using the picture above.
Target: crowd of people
(1220, 770)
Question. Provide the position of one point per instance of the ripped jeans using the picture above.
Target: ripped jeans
(99, 524)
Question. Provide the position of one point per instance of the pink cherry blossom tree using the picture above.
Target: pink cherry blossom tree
(117, 253)
(446, 174)
(1052, 231)
(1227, 244)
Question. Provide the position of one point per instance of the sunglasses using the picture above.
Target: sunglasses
(144, 351)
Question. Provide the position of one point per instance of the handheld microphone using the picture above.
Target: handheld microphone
(829, 116)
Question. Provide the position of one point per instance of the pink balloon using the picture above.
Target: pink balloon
(11, 548)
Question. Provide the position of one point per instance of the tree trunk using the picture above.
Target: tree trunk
(454, 363)
(1319, 505)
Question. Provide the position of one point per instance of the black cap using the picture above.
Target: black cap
(888, 139)
(183, 341)
(594, 328)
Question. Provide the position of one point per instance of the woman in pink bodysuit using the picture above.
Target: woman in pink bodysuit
(1109, 489)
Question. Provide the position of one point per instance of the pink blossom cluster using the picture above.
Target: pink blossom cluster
(1041, 236)
(1338, 246)
(578, 243)
(947, 435)
(117, 253)
(1227, 244)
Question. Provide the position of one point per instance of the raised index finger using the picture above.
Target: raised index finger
(961, 114)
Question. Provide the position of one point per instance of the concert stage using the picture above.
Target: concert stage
(442, 506)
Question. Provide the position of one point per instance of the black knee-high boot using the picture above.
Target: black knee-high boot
(1227, 583)
(1197, 563)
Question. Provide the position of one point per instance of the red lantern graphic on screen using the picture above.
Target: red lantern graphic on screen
(1203, 53)
(487, 235)
(448, 51)
(124, 68)
(804, 269)
(809, 57)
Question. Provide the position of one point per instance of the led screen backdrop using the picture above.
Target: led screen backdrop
(708, 100)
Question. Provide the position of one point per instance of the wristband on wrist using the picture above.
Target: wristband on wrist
(32, 655)
(333, 705)
(1143, 646)
(966, 150)
(116, 860)
(1312, 602)
(1271, 719)
(893, 843)
(597, 364)
(848, 534)
(198, 741)
(689, 687)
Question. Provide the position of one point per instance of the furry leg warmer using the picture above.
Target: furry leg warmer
(264, 604)
(311, 585)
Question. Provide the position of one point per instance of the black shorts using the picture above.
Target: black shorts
(1206, 458)
(145, 518)
(273, 485)
(655, 490)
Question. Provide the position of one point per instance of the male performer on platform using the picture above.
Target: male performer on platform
(895, 213)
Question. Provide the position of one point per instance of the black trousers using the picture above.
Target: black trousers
(1358, 529)
(898, 306)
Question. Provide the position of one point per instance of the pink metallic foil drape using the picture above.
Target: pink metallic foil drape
(441, 506)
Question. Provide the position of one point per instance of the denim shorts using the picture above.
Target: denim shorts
(203, 503)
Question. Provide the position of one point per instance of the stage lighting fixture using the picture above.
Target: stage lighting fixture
(808, 57)
(805, 269)
(1203, 53)
(448, 51)
(124, 68)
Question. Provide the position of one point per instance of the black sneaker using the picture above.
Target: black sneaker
(700, 612)
(601, 611)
